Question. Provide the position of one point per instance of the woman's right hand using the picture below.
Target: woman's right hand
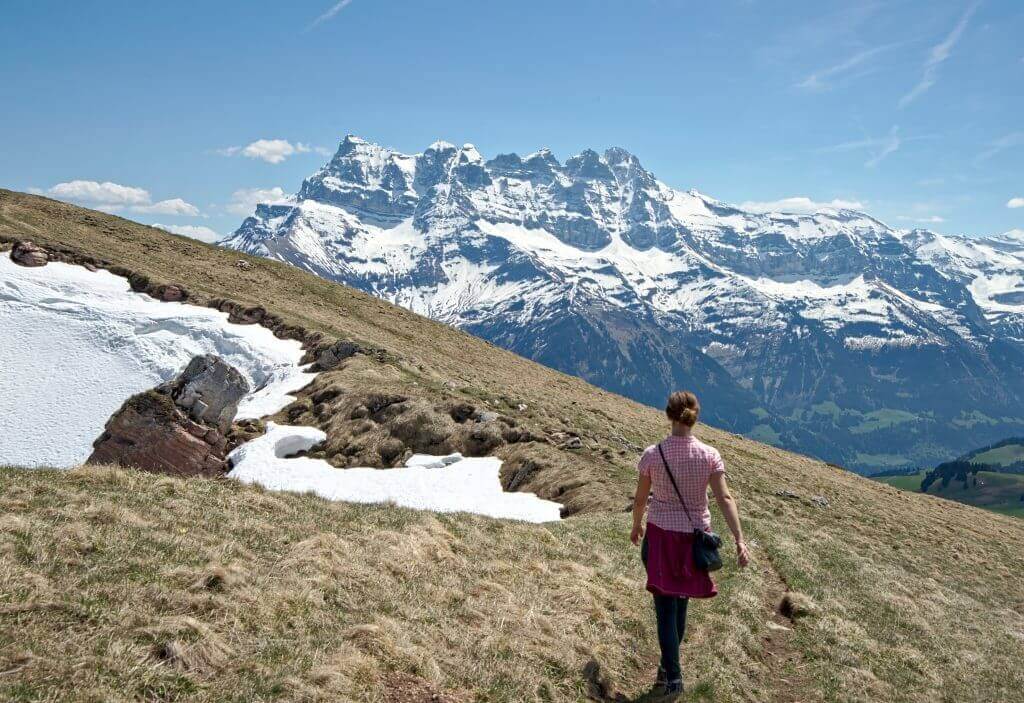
(637, 534)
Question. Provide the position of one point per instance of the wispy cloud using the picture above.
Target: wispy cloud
(1015, 203)
(800, 205)
(204, 234)
(889, 145)
(1007, 141)
(881, 147)
(114, 197)
(245, 200)
(273, 151)
(329, 13)
(929, 219)
(821, 80)
(936, 56)
(173, 206)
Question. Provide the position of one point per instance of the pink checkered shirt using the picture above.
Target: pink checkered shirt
(692, 464)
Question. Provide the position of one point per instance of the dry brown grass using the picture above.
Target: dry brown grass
(122, 586)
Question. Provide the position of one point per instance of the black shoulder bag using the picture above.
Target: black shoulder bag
(705, 544)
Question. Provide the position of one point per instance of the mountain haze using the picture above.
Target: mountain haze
(830, 333)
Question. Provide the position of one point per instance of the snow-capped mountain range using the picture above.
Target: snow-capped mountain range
(830, 333)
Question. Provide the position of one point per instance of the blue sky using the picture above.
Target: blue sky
(183, 113)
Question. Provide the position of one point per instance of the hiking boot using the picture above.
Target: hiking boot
(667, 691)
(662, 677)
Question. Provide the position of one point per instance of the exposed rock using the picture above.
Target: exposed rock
(28, 254)
(243, 265)
(329, 357)
(486, 416)
(460, 412)
(151, 433)
(246, 316)
(181, 427)
(572, 443)
(209, 389)
(820, 501)
(172, 293)
(786, 493)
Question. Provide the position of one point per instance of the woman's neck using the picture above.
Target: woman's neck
(681, 430)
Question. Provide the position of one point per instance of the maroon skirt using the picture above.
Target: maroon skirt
(668, 557)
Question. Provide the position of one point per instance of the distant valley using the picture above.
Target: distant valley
(991, 477)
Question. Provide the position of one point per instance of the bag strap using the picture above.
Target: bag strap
(678, 493)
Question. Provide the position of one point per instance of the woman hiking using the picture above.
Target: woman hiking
(677, 504)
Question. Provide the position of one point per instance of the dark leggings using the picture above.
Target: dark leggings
(671, 615)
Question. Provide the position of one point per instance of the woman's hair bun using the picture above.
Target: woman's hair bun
(683, 407)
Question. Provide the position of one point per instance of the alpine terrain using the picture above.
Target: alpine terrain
(831, 333)
(196, 581)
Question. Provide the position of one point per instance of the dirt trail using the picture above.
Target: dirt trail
(787, 680)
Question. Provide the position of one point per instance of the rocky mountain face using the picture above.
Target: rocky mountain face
(829, 333)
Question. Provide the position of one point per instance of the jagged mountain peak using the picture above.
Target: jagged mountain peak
(597, 268)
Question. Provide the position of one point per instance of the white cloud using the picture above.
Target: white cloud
(928, 219)
(173, 206)
(244, 201)
(801, 205)
(273, 151)
(819, 80)
(114, 197)
(1015, 203)
(203, 234)
(939, 53)
(330, 12)
(106, 193)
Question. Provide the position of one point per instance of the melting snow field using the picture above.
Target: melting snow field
(442, 484)
(75, 344)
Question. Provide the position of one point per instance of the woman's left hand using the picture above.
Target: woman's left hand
(637, 534)
(742, 554)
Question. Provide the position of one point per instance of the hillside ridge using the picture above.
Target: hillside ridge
(474, 606)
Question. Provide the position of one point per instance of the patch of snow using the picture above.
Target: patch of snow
(430, 461)
(75, 344)
(429, 483)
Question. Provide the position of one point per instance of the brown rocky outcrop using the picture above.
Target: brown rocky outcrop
(28, 254)
(179, 427)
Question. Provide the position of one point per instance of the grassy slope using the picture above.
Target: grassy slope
(118, 585)
(1003, 456)
(994, 491)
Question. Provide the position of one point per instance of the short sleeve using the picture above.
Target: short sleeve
(646, 462)
(717, 465)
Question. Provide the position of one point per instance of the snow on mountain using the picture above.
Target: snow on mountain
(828, 332)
